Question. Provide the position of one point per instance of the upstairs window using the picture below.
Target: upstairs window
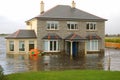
(72, 25)
(91, 26)
(52, 25)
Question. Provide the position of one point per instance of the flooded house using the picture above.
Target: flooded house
(62, 29)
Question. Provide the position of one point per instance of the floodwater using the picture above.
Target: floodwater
(22, 63)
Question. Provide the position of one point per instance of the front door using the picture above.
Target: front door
(75, 49)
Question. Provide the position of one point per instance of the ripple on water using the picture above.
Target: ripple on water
(21, 63)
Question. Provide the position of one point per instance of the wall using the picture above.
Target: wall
(63, 32)
(16, 45)
(32, 25)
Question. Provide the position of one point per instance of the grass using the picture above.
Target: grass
(112, 39)
(67, 75)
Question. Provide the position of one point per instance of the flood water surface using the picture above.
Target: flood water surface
(21, 63)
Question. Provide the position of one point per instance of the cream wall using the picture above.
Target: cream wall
(32, 25)
(16, 46)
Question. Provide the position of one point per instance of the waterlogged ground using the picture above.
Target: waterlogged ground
(21, 63)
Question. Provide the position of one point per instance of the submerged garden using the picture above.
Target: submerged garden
(55, 67)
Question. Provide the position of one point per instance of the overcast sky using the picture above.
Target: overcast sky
(14, 13)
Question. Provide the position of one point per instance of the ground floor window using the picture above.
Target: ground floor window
(11, 45)
(31, 45)
(51, 46)
(21, 46)
(92, 45)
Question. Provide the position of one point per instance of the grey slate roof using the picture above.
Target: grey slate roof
(65, 12)
(22, 34)
(93, 36)
(51, 36)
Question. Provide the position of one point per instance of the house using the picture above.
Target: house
(62, 29)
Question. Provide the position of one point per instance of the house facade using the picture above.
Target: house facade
(66, 29)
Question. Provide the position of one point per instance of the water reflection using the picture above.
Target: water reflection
(15, 63)
(19, 63)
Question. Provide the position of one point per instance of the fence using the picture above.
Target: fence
(112, 45)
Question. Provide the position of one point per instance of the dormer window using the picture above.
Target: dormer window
(91, 26)
(72, 25)
(52, 25)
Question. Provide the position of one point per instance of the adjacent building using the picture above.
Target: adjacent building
(62, 29)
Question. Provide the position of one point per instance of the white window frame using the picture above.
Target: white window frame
(21, 43)
(52, 25)
(92, 45)
(47, 47)
(31, 42)
(91, 26)
(11, 46)
(73, 25)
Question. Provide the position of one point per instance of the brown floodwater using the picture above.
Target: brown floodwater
(21, 63)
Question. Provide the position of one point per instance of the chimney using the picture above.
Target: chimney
(73, 4)
(41, 7)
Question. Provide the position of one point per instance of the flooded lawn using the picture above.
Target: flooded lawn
(21, 63)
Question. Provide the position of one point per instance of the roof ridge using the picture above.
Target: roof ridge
(90, 13)
(51, 9)
(47, 11)
(65, 12)
(16, 33)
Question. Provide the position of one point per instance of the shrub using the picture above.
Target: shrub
(2, 76)
(115, 40)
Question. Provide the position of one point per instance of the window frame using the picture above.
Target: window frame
(71, 25)
(11, 45)
(52, 25)
(31, 42)
(51, 46)
(21, 45)
(91, 26)
(92, 45)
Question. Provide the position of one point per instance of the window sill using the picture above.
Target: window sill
(11, 51)
(91, 30)
(93, 50)
(22, 51)
(73, 29)
(51, 51)
(52, 29)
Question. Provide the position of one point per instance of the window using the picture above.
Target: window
(72, 25)
(52, 25)
(51, 46)
(92, 45)
(91, 26)
(21, 46)
(11, 45)
(31, 45)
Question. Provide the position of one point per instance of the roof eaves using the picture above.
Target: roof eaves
(71, 19)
